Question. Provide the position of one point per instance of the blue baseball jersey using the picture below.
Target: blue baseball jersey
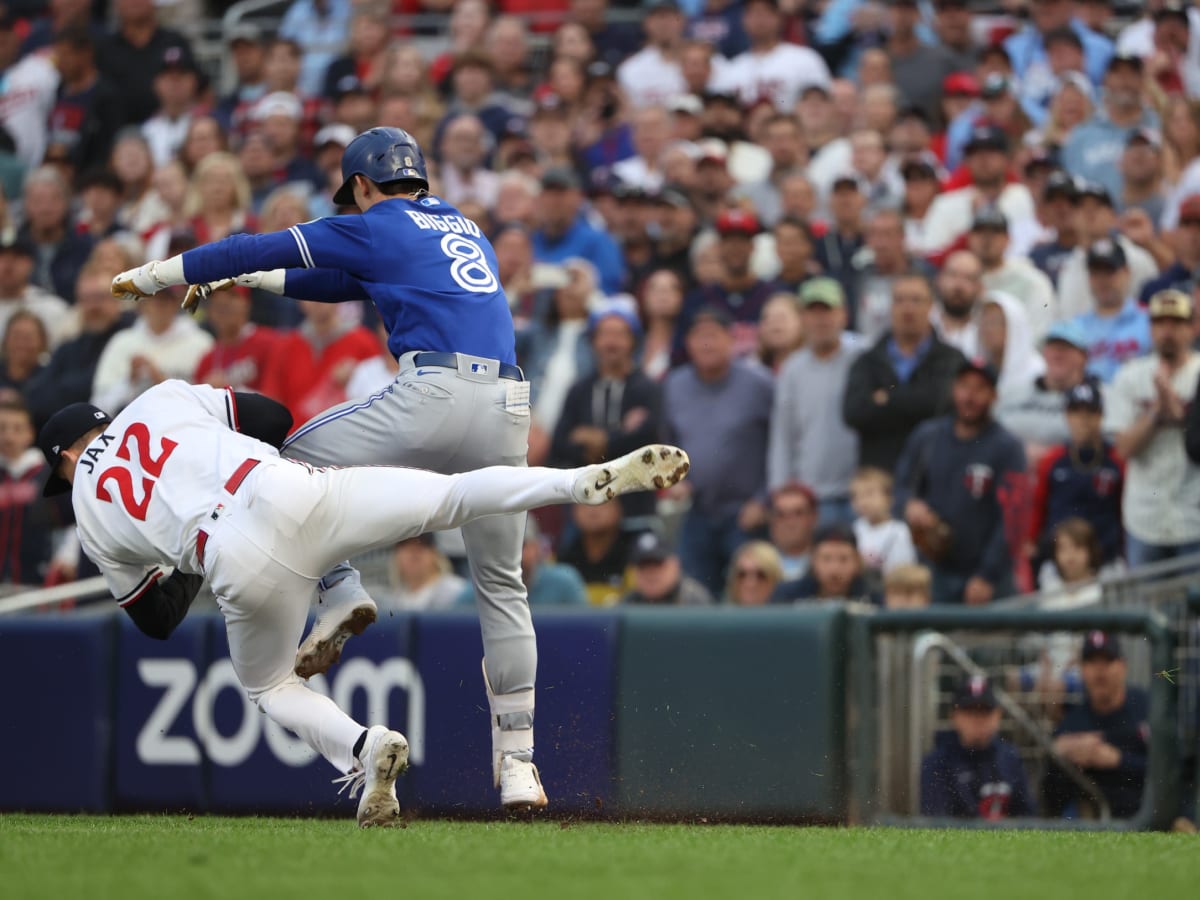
(429, 270)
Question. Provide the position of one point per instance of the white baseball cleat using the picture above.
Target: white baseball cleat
(339, 620)
(653, 467)
(384, 759)
(520, 785)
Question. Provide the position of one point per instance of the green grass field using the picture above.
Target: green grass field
(128, 858)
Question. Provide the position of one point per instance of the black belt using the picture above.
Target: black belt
(450, 361)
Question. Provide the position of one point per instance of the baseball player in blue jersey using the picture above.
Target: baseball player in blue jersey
(458, 403)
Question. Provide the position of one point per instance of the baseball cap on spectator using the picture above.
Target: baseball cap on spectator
(821, 291)
(1096, 191)
(815, 88)
(726, 98)
(835, 534)
(1085, 395)
(619, 306)
(245, 33)
(712, 150)
(1129, 60)
(713, 314)
(1148, 136)
(599, 70)
(978, 366)
(1061, 184)
(847, 180)
(178, 58)
(1069, 333)
(986, 137)
(17, 243)
(975, 692)
(1172, 9)
(560, 178)
(1189, 209)
(550, 105)
(337, 133)
(1039, 160)
(278, 103)
(1100, 645)
(918, 169)
(347, 86)
(1077, 80)
(627, 192)
(1170, 304)
(650, 549)
(653, 6)
(960, 84)
(686, 104)
(995, 85)
(1106, 254)
(737, 221)
(672, 196)
(989, 218)
(62, 430)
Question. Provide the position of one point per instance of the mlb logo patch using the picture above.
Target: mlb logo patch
(479, 368)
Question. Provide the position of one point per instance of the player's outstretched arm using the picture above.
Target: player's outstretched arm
(340, 242)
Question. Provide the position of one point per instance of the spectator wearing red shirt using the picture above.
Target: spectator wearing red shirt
(243, 350)
(310, 366)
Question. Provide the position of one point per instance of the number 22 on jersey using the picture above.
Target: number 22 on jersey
(137, 436)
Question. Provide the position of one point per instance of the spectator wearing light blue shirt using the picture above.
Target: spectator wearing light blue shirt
(1027, 48)
(1093, 151)
(321, 28)
(564, 232)
(1117, 330)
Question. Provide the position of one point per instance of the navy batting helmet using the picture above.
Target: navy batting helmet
(382, 155)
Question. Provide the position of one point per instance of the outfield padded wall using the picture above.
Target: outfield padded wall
(736, 713)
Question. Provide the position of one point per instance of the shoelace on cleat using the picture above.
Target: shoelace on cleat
(354, 779)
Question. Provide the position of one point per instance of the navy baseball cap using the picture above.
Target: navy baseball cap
(986, 137)
(980, 367)
(1106, 254)
(1100, 645)
(975, 692)
(1097, 192)
(650, 548)
(1061, 184)
(989, 218)
(1085, 395)
(62, 430)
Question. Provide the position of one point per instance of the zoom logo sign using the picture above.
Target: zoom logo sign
(182, 685)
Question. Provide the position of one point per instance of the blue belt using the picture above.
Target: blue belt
(450, 361)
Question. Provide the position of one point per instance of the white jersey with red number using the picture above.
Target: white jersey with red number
(143, 487)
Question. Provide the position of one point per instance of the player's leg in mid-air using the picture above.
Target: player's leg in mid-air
(446, 420)
(463, 421)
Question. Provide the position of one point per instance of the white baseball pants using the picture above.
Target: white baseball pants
(288, 523)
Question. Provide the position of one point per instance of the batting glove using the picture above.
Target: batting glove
(134, 284)
(148, 280)
(199, 292)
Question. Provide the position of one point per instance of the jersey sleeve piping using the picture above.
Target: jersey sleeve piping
(231, 409)
(302, 245)
(141, 588)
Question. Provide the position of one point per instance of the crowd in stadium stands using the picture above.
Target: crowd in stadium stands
(915, 288)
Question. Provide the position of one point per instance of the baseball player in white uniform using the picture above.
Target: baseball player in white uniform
(181, 489)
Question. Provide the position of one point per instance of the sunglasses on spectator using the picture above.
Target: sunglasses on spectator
(756, 574)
